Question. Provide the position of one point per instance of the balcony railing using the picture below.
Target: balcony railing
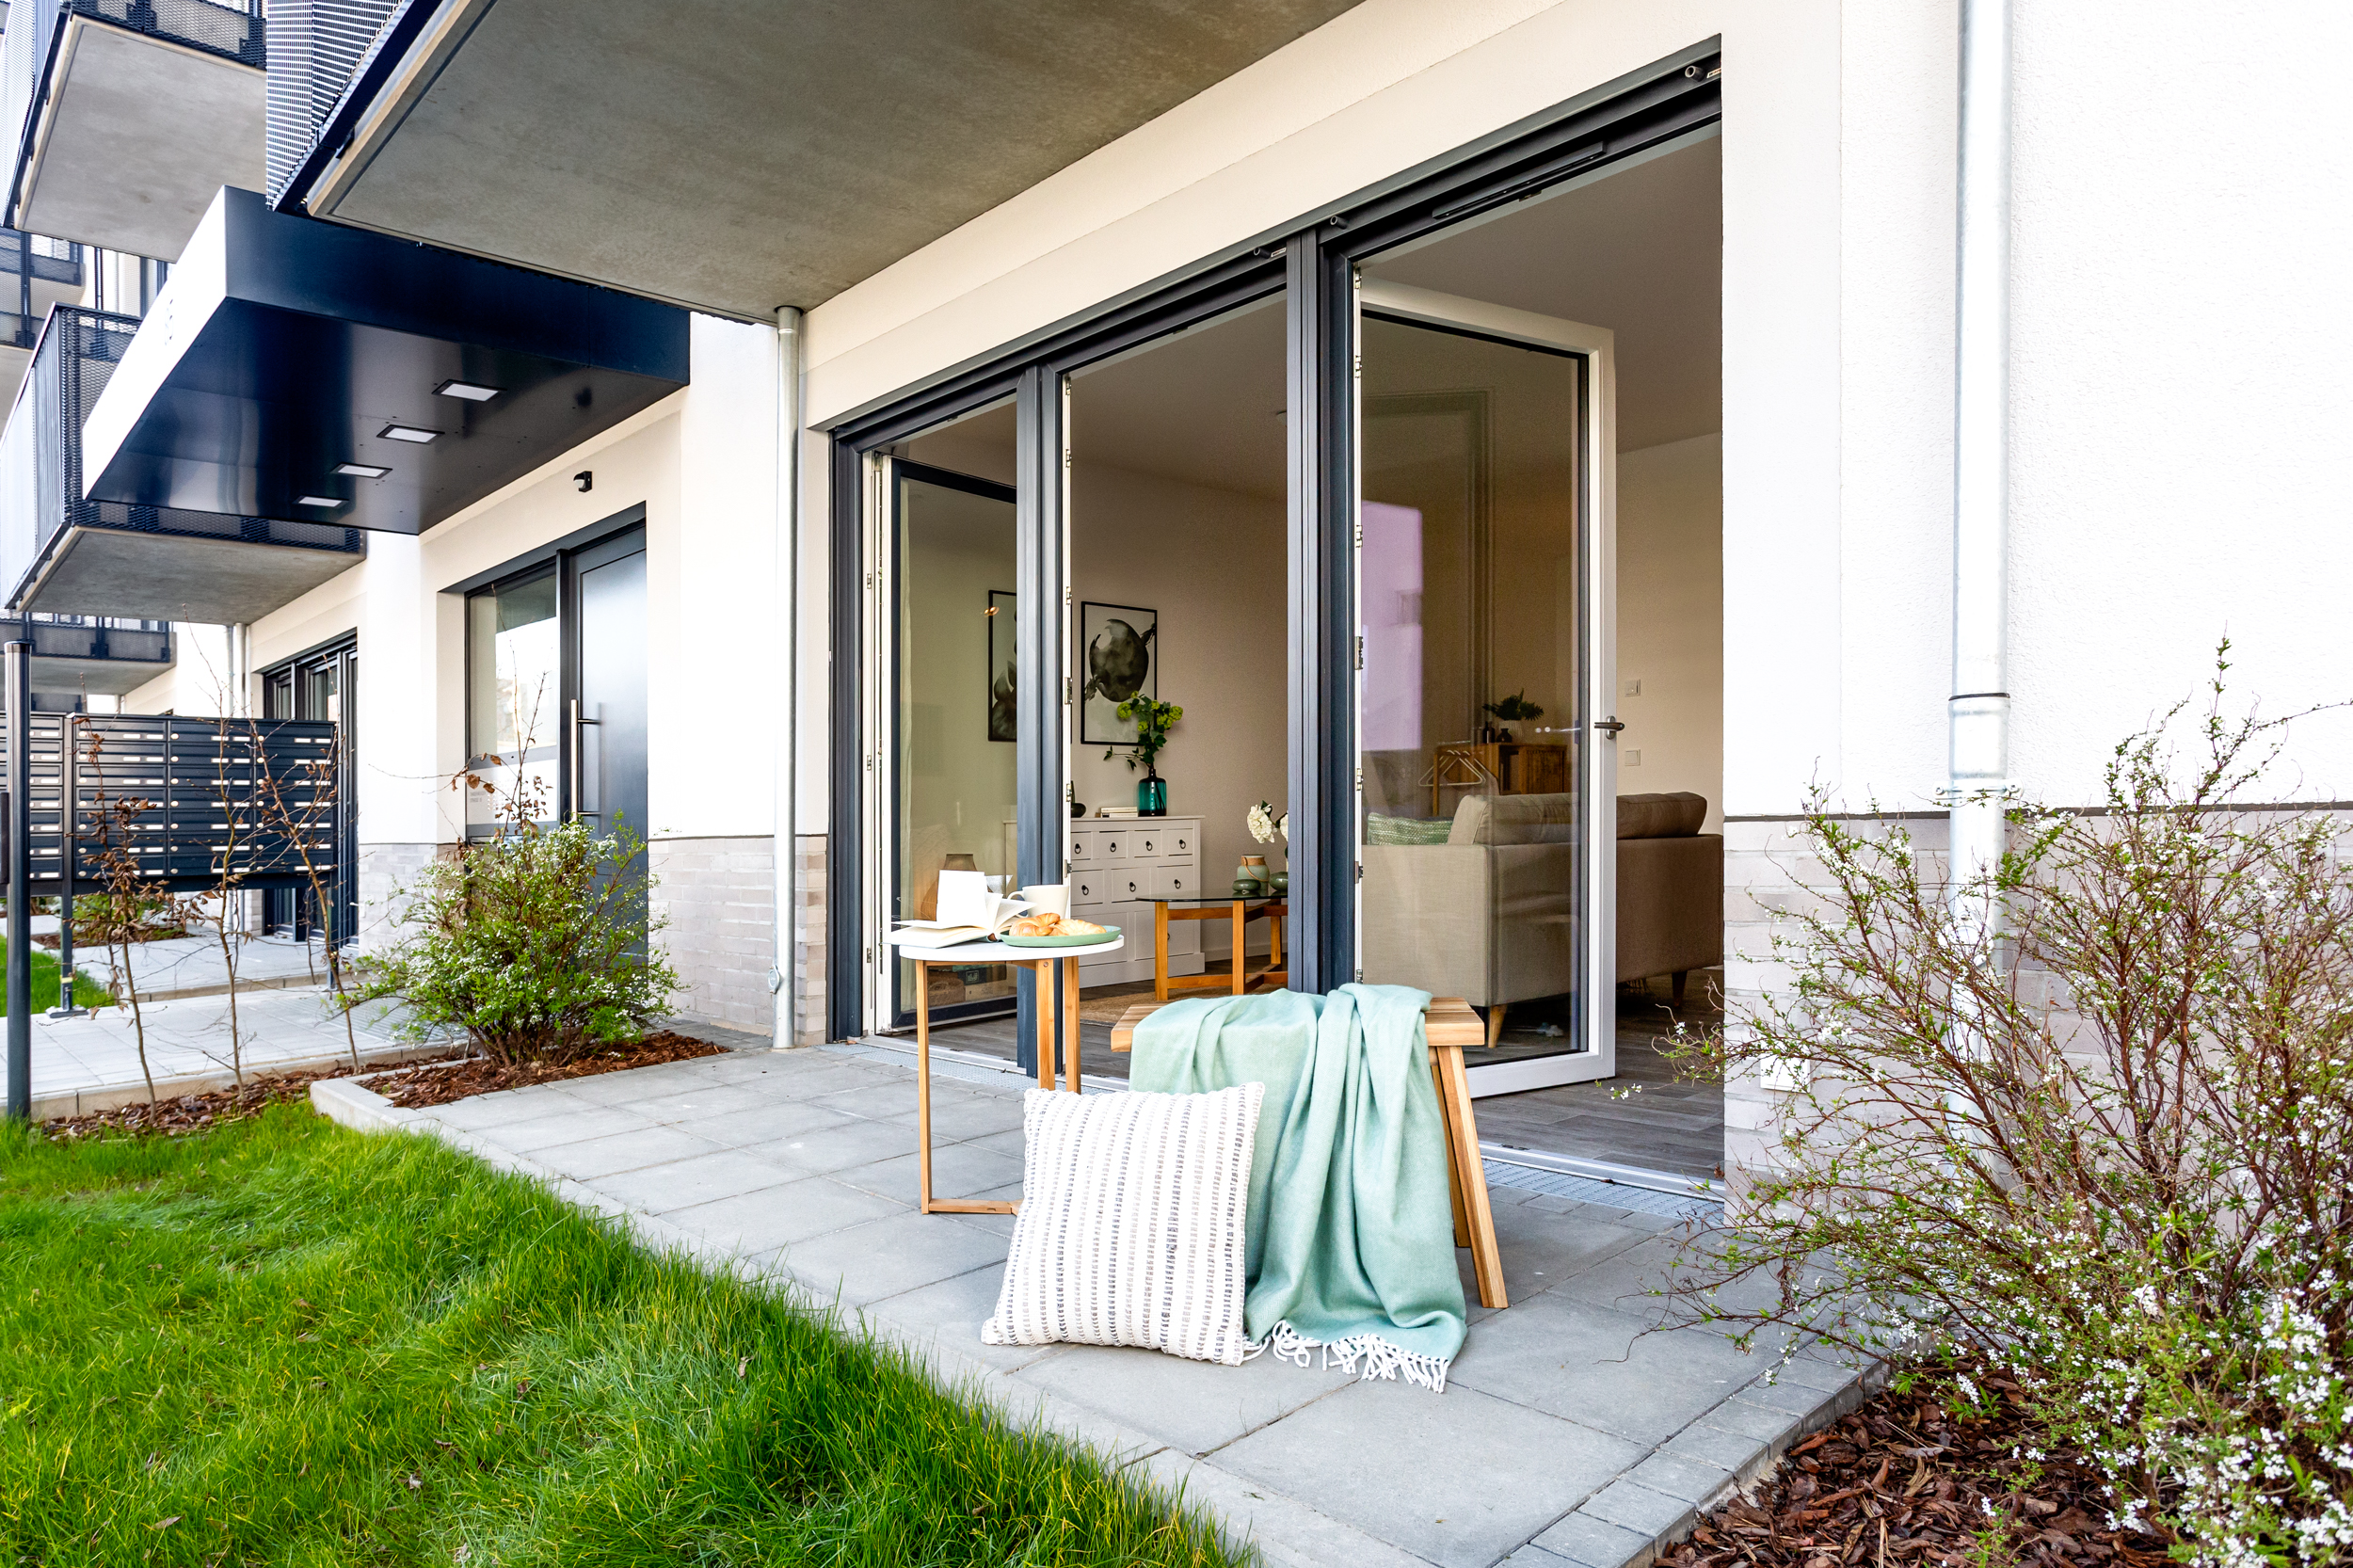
(90, 636)
(25, 260)
(41, 480)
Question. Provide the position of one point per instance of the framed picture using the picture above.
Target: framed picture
(1004, 719)
(1119, 655)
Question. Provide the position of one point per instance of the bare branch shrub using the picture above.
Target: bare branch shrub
(2108, 1148)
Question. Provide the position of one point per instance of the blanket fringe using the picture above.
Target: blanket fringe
(1381, 1358)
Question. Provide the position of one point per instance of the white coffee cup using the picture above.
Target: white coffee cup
(1051, 898)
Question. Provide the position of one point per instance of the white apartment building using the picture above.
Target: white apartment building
(778, 429)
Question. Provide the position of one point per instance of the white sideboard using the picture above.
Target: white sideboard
(1118, 865)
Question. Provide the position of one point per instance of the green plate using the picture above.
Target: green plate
(1101, 937)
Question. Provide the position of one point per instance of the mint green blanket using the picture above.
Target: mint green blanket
(1350, 1246)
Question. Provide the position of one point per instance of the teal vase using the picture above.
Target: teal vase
(1152, 796)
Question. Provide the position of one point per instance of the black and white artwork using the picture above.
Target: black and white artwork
(1119, 651)
(1004, 719)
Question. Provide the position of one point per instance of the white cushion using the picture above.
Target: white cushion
(1131, 1226)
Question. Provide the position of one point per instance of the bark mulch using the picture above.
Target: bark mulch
(435, 1080)
(185, 1114)
(1911, 1479)
(414, 1088)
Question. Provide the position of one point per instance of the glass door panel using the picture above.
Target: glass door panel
(1482, 596)
(954, 720)
(514, 680)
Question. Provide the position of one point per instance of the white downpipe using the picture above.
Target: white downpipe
(1978, 713)
(784, 975)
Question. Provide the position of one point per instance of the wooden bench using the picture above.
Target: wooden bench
(1450, 1025)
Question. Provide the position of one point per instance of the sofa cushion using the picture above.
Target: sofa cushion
(1514, 819)
(1382, 828)
(1667, 816)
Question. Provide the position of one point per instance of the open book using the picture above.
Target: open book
(967, 912)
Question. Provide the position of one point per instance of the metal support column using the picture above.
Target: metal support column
(1040, 678)
(17, 673)
(1319, 347)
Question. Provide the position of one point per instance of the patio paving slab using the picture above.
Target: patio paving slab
(1566, 1435)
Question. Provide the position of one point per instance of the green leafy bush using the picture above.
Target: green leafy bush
(536, 943)
(2103, 1142)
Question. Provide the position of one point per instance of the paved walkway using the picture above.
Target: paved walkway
(1564, 1435)
(92, 1062)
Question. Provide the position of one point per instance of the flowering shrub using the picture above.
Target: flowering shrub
(536, 943)
(2103, 1141)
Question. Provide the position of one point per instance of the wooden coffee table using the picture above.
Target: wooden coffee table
(1241, 911)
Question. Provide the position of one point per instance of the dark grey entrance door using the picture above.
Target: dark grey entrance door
(606, 711)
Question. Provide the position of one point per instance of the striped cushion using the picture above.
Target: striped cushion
(1131, 1223)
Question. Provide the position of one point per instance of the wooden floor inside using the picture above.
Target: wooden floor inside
(1647, 1116)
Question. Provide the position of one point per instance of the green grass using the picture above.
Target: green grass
(284, 1343)
(87, 992)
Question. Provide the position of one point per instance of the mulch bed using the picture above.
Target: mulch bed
(414, 1088)
(51, 940)
(1907, 1480)
(435, 1080)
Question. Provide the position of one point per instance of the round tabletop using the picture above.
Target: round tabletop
(998, 952)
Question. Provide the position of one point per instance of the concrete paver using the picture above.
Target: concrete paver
(1567, 1436)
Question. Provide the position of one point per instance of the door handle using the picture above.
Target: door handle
(1610, 724)
(579, 724)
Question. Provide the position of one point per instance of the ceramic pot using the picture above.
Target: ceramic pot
(1244, 888)
(1152, 796)
(1281, 883)
(1253, 871)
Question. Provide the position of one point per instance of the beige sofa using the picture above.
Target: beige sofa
(1486, 914)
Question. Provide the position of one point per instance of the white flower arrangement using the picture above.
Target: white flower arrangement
(1265, 826)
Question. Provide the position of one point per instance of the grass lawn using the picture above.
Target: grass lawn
(279, 1342)
(87, 992)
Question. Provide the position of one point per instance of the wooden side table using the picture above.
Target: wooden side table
(1241, 911)
(1040, 962)
(1449, 1025)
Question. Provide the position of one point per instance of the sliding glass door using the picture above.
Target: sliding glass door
(953, 721)
(1485, 595)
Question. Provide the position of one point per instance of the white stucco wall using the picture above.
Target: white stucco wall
(2178, 395)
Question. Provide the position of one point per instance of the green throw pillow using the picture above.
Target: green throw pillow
(1380, 829)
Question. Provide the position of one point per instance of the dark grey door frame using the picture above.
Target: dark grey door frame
(1314, 266)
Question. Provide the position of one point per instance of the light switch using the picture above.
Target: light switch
(1634, 687)
(1630, 758)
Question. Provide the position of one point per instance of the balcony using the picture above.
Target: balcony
(732, 155)
(65, 554)
(124, 117)
(36, 272)
(304, 369)
(88, 655)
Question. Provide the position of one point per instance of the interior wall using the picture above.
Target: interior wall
(1211, 563)
(1671, 620)
(958, 786)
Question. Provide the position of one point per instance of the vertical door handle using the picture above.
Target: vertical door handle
(579, 724)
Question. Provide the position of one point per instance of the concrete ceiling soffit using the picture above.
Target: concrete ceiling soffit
(737, 155)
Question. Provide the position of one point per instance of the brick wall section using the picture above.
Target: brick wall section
(809, 939)
(385, 870)
(1769, 872)
(718, 897)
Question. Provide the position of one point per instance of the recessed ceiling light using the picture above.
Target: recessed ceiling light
(472, 391)
(361, 471)
(415, 433)
(318, 501)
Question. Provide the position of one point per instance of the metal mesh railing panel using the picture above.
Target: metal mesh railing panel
(208, 805)
(317, 48)
(234, 32)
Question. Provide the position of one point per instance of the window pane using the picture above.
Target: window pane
(514, 693)
(1471, 609)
